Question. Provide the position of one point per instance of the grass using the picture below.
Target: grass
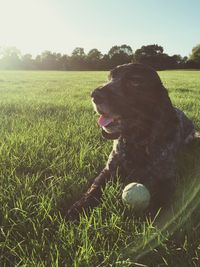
(51, 148)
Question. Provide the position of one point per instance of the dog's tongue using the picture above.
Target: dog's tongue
(103, 121)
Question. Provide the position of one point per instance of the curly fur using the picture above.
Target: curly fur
(147, 132)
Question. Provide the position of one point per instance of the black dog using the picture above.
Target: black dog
(136, 111)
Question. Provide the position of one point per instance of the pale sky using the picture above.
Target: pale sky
(61, 25)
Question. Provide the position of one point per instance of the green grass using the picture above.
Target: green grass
(51, 148)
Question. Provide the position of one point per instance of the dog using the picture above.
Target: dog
(148, 131)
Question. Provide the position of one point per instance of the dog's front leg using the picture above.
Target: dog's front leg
(92, 197)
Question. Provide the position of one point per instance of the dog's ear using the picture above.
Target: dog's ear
(109, 136)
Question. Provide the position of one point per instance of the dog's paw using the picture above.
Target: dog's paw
(73, 214)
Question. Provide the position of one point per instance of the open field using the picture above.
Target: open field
(50, 148)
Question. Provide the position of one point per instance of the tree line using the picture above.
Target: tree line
(152, 55)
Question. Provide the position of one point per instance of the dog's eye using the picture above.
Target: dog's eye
(132, 86)
(136, 79)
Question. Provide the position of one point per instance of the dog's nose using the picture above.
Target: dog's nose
(97, 96)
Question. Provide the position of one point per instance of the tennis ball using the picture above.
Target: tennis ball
(136, 196)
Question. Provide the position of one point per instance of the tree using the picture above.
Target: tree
(153, 56)
(27, 62)
(148, 51)
(195, 56)
(125, 49)
(94, 54)
(64, 62)
(178, 62)
(10, 58)
(48, 60)
(38, 62)
(120, 55)
(105, 62)
(77, 60)
(94, 58)
(78, 52)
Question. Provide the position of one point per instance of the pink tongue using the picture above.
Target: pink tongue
(103, 121)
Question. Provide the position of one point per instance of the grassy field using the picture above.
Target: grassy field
(51, 147)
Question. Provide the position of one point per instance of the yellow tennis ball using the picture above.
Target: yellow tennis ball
(137, 196)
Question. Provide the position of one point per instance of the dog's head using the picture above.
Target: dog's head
(131, 100)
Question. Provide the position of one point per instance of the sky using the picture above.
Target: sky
(34, 26)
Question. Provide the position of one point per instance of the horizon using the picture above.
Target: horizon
(61, 26)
